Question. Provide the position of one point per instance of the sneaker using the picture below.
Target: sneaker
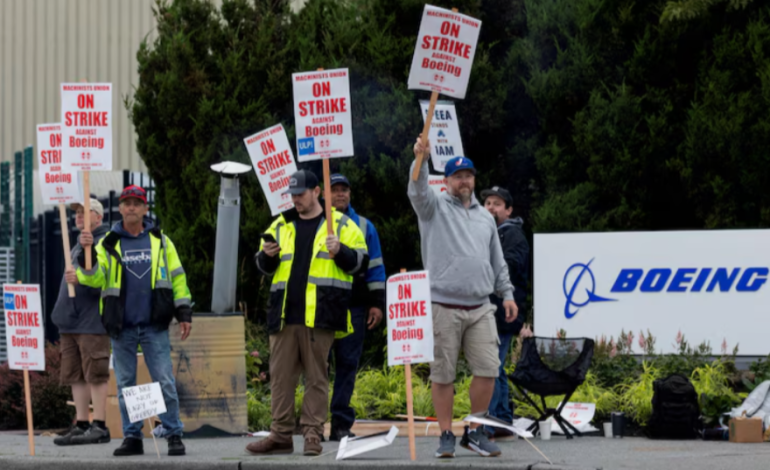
(130, 446)
(175, 446)
(268, 446)
(313, 446)
(446, 446)
(95, 434)
(478, 442)
(338, 434)
(66, 438)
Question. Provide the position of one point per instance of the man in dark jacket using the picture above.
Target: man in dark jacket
(499, 203)
(84, 345)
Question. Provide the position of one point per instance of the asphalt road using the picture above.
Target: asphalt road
(230, 454)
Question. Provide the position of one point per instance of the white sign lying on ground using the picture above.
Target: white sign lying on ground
(144, 401)
(350, 447)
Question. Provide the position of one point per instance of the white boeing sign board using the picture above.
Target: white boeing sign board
(710, 285)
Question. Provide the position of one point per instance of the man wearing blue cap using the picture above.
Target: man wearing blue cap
(365, 310)
(461, 249)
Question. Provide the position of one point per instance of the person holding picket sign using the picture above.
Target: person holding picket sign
(144, 287)
(84, 344)
(308, 306)
(366, 311)
(461, 249)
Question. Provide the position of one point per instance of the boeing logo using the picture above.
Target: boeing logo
(579, 283)
(576, 273)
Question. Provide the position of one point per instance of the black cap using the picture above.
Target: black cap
(301, 181)
(502, 193)
(338, 179)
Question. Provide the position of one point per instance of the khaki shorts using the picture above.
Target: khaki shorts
(84, 358)
(475, 331)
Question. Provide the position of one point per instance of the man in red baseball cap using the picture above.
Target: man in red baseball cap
(143, 288)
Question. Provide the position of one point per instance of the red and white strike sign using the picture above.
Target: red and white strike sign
(86, 110)
(24, 326)
(436, 184)
(274, 163)
(446, 45)
(410, 319)
(57, 184)
(322, 114)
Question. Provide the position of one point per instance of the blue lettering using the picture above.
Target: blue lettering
(627, 280)
(748, 283)
(682, 276)
(701, 280)
(725, 282)
(655, 280)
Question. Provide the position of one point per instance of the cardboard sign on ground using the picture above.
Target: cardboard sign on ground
(322, 114)
(24, 328)
(274, 163)
(86, 110)
(443, 57)
(444, 134)
(144, 401)
(352, 446)
(409, 317)
(58, 185)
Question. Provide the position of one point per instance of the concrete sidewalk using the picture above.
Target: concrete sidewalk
(229, 454)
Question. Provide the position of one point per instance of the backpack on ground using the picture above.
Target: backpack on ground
(675, 409)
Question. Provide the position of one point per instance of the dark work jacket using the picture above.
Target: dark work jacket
(516, 254)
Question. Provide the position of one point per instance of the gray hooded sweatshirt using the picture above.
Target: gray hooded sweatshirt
(460, 247)
(81, 314)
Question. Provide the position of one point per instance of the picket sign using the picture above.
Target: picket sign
(274, 164)
(322, 109)
(24, 338)
(444, 134)
(442, 61)
(410, 331)
(144, 402)
(86, 110)
(57, 184)
(436, 184)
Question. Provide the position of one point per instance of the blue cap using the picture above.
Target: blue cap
(338, 179)
(458, 163)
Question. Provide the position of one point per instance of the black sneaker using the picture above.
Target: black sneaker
(336, 435)
(175, 446)
(446, 446)
(93, 435)
(477, 441)
(130, 446)
(66, 438)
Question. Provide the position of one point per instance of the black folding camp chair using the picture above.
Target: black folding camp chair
(552, 366)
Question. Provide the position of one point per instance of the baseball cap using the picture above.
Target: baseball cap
(301, 181)
(134, 191)
(338, 179)
(458, 163)
(96, 206)
(502, 193)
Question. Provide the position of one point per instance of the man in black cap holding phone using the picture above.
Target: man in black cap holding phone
(308, 306)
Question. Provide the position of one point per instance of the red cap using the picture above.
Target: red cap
(135, 192)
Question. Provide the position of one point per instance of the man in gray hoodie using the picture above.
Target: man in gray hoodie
(462, 252)
(84, 345)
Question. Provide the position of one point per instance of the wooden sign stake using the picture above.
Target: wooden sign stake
(410, 406)
(426, 129)
(327, 195)
(28, 400)
(149, 423)
(65, 238)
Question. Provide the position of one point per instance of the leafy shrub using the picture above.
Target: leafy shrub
(716, 396)
(635, 395)
(49, 399)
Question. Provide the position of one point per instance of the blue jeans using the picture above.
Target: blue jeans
(347, 351)
(500, 406)
(157, 355)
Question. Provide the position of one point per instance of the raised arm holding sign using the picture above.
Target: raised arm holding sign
(446, 45)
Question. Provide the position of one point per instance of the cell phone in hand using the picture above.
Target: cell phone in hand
(268, 238)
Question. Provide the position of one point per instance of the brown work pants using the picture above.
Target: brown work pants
(294, 350)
